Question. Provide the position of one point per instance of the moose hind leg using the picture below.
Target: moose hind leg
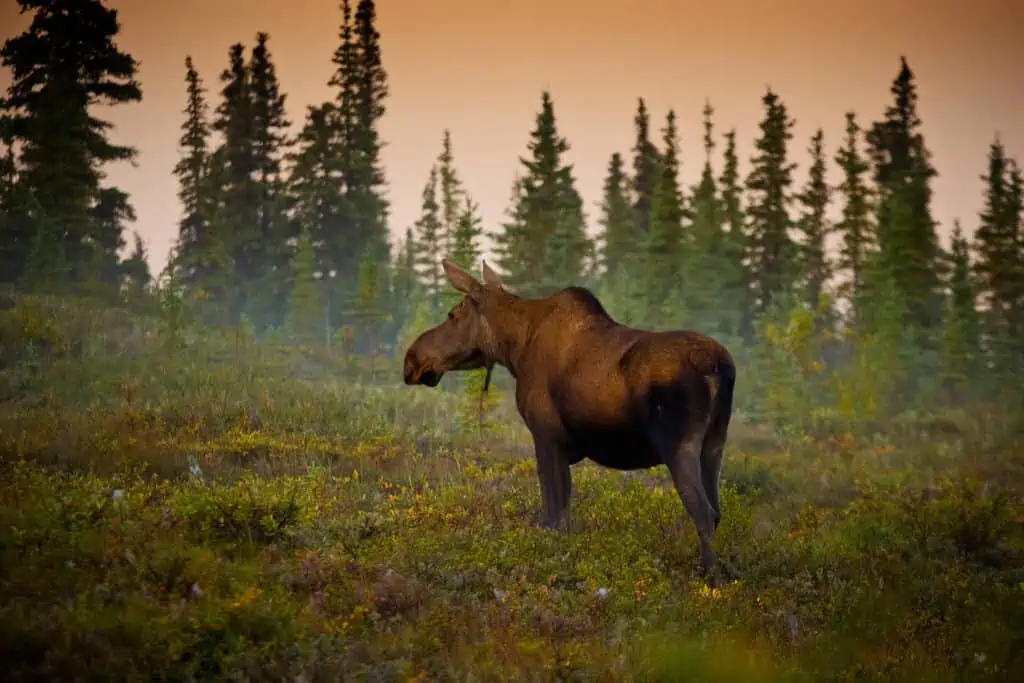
(682, 457)
(711, 456)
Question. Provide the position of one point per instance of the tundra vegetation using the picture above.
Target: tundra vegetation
(218, 473)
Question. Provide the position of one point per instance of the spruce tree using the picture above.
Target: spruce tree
(232, 177)
(193, 244)
(549, 213)
(316, 185)
(996, 246)
(665, 245)
(771, 251)
(736, 297)
(273, 258)
(618, 234)
(906, 229)
(366, 181)
(468, 231)
(645, 170)
(429, 245)
(962, 330)
(711, 268)
(813, 225)
(451, 193)
(66, 62)
(854, 226)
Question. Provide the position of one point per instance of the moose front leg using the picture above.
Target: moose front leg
(555, 484)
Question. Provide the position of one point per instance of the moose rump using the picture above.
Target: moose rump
(590, 387)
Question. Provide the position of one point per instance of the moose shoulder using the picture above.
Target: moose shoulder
(590, 387)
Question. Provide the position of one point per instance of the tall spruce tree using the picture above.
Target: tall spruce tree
(771, 251)
(709, 264)
(367, 181)
(63, 64)
(813, 225)
(618, 233)
(468, 231)
(273, 259)
(908, 243)
(232, 178)
(665, 243)
(194, 246)
(547, 245)
(317, 187)
(451, 194)
(857, 238)
(645, 169)
(429, 243)
(737, 294)
(962, 330)
(996, 246)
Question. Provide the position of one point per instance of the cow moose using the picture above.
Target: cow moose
(590, 387)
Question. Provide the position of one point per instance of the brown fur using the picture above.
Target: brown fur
(589, 387)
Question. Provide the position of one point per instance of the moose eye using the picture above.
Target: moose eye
(451, 316)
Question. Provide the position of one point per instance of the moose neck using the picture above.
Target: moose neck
(512, 329)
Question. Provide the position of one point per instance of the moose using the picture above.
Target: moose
(588, 386)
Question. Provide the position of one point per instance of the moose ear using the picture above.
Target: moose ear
(461, 280)
(491, 279)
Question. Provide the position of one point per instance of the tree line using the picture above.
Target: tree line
(290, 232)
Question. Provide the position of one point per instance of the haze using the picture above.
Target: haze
(479, 68)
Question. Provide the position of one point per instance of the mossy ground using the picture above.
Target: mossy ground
(335, 531)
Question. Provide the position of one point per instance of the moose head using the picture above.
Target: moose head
(466, 339)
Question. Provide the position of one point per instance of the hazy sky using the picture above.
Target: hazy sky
(478, 68)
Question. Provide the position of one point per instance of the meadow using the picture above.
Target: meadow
(184, 504)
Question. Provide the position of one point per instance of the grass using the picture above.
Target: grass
(230, 510)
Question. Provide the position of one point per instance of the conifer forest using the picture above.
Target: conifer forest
(215, 472)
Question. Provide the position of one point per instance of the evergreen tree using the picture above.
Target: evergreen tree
(63, 64)
(510, 240)
(813, 225)
(232, 179)
(366, 180)
(645, 170)
(854, 226)
(962, 330)
(429, 245)
(193, 244)
(736, 296)
(618, 232)
(997, 248)
(466, 243)
(771, 251)
(710, 266)
(317, 187)
(451, 194)
(906, 229)
(109, 213)
(665, 244)
(273, 258)
(549, 213)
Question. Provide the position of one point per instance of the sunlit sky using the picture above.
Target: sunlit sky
(478, 69)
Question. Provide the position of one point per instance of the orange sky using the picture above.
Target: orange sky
(478, 69)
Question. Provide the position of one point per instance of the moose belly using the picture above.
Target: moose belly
(617, 449)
